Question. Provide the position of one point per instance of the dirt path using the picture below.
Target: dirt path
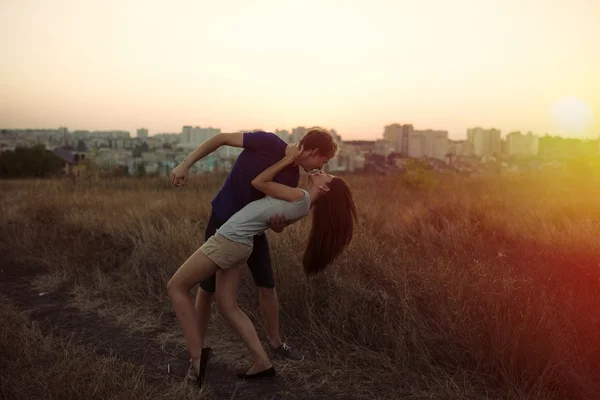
(55, 314)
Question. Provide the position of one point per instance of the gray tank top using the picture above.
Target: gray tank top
(253, 218)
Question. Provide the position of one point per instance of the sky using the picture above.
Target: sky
(352, 66)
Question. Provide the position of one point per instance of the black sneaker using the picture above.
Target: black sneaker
(284, 350)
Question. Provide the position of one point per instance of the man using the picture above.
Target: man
(261, 150)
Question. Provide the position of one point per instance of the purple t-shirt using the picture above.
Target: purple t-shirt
(261, 150)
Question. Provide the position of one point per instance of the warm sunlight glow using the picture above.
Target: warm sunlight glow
(572, 115)
(353, 66)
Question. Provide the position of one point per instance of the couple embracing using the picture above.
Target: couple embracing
(261, 192)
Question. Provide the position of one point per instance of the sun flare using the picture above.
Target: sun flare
(571, 115)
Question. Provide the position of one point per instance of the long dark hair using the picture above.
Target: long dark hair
(334, 214)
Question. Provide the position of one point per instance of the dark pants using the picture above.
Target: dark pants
(259, 261)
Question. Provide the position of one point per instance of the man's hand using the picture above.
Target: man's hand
(179, 175)
(277, 223)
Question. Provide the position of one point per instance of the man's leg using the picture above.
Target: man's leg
(269, 306)
(262, 273)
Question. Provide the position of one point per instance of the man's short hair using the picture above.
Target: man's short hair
(320, 139)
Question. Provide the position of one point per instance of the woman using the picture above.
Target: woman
(230, 247)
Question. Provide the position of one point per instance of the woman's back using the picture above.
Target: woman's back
(253, 218)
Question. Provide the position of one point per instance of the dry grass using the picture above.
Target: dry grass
(462, 288)
(38, 366)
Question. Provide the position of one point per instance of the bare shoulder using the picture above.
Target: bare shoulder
(292, 194)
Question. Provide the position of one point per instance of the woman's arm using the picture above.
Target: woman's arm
(264, 180)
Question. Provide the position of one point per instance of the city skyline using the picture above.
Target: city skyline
(149, 133)
(513, 65)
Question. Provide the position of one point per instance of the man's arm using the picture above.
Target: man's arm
(278, 223)
(212, 144)
(180, 173)
(250, 140)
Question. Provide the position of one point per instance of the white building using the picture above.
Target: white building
(195, 136)
(428, 143)
(383, 147)
(283, 135)
(152, 142)
(111, 134)
(398, 136)
(171, 138)
(486, 142)
(142, 133)
(461, 148)
(297, 134)
(110, 158)
(522, 145)
(349, 159)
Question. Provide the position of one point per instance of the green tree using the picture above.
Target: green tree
(29, 162)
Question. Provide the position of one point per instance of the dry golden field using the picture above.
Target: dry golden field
(453, 288)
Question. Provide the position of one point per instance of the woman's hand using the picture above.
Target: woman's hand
(293, 151)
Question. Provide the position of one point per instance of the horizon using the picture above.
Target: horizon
(512, 65)
(134, 133)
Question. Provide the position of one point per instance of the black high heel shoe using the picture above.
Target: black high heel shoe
(199, 377)
(203, 362)
(267, 373)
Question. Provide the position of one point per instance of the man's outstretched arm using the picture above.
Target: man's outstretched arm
(180, 173)
(212, 144)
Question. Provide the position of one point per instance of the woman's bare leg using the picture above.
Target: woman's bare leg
(196, 268)
(226, 291)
